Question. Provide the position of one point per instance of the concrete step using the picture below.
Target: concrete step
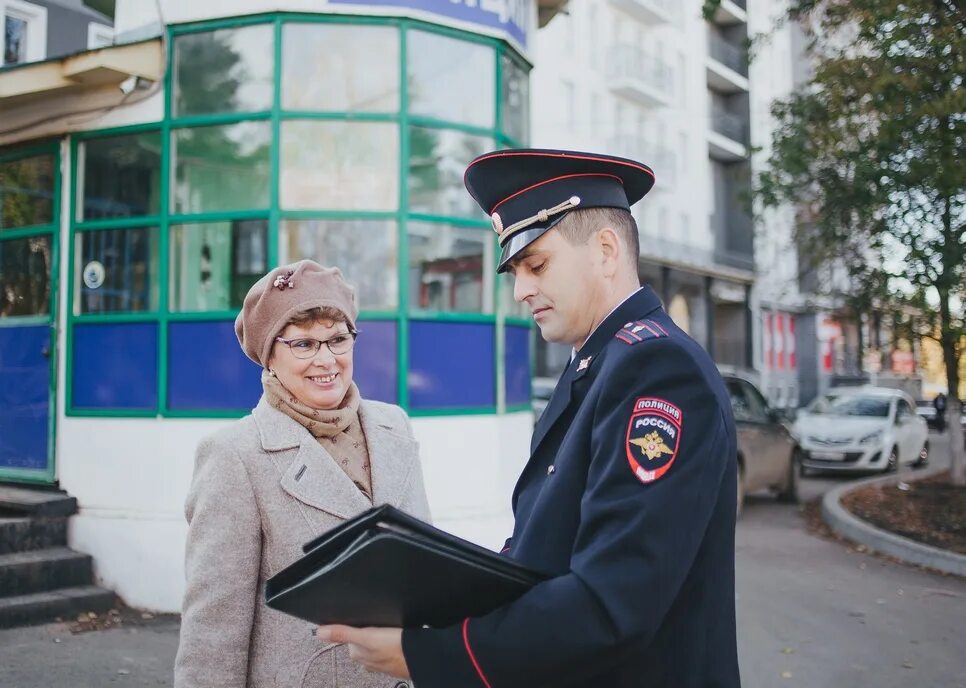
(44, 607)
(21, 534)
(28, 501)
(41, 570)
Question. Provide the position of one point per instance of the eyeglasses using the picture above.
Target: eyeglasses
(307, 347)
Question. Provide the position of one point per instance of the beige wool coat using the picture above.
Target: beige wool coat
(262, 487)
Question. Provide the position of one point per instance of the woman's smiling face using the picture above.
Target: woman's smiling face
(321, 381)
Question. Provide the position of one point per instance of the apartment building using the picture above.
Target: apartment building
(656, 81)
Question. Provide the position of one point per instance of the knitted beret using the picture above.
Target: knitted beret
(282, 293)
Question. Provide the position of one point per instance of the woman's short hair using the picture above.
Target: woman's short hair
(317, 315)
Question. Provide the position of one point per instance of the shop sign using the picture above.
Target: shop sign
(509, 17)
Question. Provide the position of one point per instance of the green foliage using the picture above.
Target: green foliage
(710, 8)
(871, 151)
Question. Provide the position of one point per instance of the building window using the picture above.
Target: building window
(340, 68)
(116, 271)
(450, 268)
(222, 167)
(28, 192)
(24, 32)
(451, 79)
(437, 160)
(334, 152)
(25, 276)
(228, 70)
(119, 176)
(339, 165)
(365, 250)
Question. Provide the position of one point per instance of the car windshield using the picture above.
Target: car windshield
(831, 405)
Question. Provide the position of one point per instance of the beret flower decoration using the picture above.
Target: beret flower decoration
(283, 281)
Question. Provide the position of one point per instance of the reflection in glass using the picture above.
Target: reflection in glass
(365, 251)
(27, 192)
(228, 70)
(213, 265)
(117, 270)
(223, 167)
(516, 100)
(438, 158)
(451, 79)
(25, 276)
(339, 165)
(340, 67)
(120, 176)
(14, 40)
(450, 268)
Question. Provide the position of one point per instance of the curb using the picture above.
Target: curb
(853, 528)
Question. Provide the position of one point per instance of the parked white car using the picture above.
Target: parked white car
(861, 429)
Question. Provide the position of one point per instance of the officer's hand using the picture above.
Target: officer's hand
(377, 649)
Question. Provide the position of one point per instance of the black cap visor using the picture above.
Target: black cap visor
(524, 238)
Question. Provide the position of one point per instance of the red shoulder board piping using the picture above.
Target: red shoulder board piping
(641, 331)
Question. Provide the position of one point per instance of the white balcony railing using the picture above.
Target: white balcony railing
(651, 11)
(639, 76)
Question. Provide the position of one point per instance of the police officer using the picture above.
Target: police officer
(628, 499)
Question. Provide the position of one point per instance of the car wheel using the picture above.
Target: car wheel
(923, 459)
(740, 501)
(789, 492)
(893, 463)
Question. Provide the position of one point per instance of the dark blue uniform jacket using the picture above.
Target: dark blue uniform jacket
(628, 500)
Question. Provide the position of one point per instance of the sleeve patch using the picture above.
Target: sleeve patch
(641, 331)
(653, 438)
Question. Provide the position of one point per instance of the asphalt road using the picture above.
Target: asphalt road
(812, 613)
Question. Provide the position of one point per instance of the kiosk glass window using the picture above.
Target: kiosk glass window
(223, 167)
(25, 276)
(451, 79)
(365, 250)
(516, 100)
(336, 165)
(228, 70)
(27, 192)
(116, 271)
(437, 160)
(213, 265)
(340, 68)
(120, 176)
(450, 268)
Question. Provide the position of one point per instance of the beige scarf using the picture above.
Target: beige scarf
(337, 430)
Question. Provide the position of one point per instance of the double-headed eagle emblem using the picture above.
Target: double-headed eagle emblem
(652, 446)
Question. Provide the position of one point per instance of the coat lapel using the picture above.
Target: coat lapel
(313, 477)
(392, 454)
(638, 305)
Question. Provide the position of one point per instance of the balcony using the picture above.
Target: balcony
(654, 12)
(639, 77)
(728, 135)
(548, 9)
(659, 158)
(727, 66)
(731, 12)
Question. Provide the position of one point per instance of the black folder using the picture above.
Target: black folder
(387, 568)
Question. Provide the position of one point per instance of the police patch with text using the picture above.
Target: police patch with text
(653, 438)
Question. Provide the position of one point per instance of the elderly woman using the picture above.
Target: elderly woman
(310, 455)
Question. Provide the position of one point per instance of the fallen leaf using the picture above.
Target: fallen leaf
(787, 651)
(786, 674)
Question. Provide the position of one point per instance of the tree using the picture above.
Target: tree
(872, 149)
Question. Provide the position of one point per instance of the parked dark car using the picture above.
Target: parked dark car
(768, 457)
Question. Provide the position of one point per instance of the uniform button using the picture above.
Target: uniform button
(550, 469)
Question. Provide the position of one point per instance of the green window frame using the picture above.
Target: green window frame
(275, 215)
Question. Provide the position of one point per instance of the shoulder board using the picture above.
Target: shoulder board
(640, 331)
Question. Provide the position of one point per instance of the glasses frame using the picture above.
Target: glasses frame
(320, 342)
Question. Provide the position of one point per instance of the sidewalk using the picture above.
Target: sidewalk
(140, 654)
